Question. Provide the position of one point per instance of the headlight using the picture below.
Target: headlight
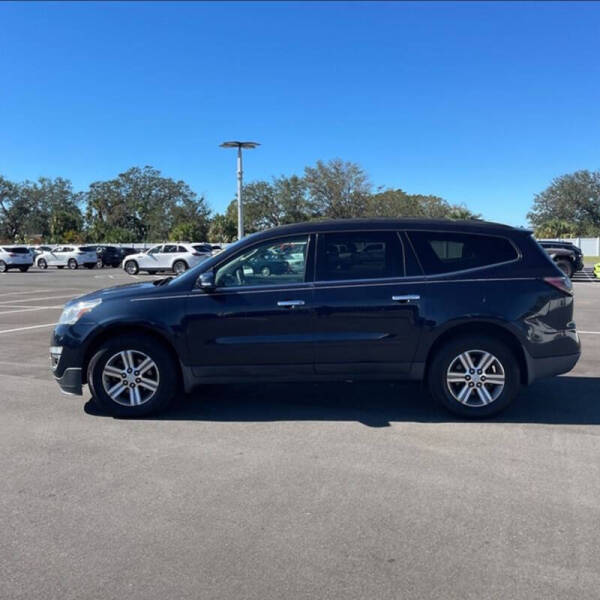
(72, 314)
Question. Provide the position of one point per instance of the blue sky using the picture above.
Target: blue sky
(481, 103)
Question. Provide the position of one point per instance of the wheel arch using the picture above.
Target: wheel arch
(482, 328)
(132, 329)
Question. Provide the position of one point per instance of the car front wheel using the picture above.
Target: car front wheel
(42, 264)
(3, 267)
(474, 376)
(131, 267)
(132, 376)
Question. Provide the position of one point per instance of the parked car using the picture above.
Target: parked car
(567, 256)
(37, 250)
(109, 256)
(15, 257)
(68, 256)
(166, 257)
(475, 309)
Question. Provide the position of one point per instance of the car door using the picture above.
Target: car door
(55, 256)
(168, 256)
(254, 324)
(368, 317)
(150, 260)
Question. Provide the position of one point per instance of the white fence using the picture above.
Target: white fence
(589, 246)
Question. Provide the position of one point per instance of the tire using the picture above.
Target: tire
(265, 271)
(504, 366)
(99, 263)
(565, 266)
(122, 403)
(72, 264)
(131, 267)
(3, 267)
(179, 267)
(24, 269)
(42, 264)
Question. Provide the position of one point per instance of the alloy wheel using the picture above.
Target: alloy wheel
(475, 378)
(130, 378)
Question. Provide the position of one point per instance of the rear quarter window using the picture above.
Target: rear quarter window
(441, 252)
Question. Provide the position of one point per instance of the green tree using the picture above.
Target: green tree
(337, 189)
(14, 210)
(397, 203)
(141, 204)
(572, 200)
(222, 229)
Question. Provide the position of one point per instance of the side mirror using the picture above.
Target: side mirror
(206, 281)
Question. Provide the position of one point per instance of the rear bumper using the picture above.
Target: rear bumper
(538, 368)
(70, 381)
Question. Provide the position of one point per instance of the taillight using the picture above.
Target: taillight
(560, 283)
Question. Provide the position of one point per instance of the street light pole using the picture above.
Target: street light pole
(240, 175)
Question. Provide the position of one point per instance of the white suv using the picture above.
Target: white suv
(15, 257)
(68, 256)
(167, 257)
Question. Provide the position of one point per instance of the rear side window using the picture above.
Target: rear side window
(441, 252)
(202, 248)
(17, 250)
(359, 255)
(87, 249)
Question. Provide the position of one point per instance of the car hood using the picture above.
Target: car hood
(128, 290)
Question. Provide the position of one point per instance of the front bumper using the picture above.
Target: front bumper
(70, 381)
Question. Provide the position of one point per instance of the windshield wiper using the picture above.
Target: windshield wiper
(162, 281)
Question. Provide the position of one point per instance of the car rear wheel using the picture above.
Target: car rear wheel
(474, 376)
(24, 269)
(131, 267)
(42, 264)
(180, 267)
(265, 271)
(132, 376)
(565, 266)
(3, 267)
(72, 264)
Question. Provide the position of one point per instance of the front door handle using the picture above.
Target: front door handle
(407, 298)
(290, 303)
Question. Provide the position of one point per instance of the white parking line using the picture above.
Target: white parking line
(589, 332)
(21, 310)
(46, 290)
(45, 298)
(26, 328)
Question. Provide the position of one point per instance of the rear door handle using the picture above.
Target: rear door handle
(407, 298)
(290, 303)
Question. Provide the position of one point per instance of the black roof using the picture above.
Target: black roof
(469, 225)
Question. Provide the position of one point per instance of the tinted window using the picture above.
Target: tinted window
(170, 248)
(441, 252)
(87, 249)
(18, 250)
(266, 264)
(202, 248)
(154, 250)
(359, 255)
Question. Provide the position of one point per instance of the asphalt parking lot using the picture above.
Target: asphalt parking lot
(350, 491)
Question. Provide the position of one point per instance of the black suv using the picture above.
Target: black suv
(567, 256)
(475, 309)
(109, 256)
